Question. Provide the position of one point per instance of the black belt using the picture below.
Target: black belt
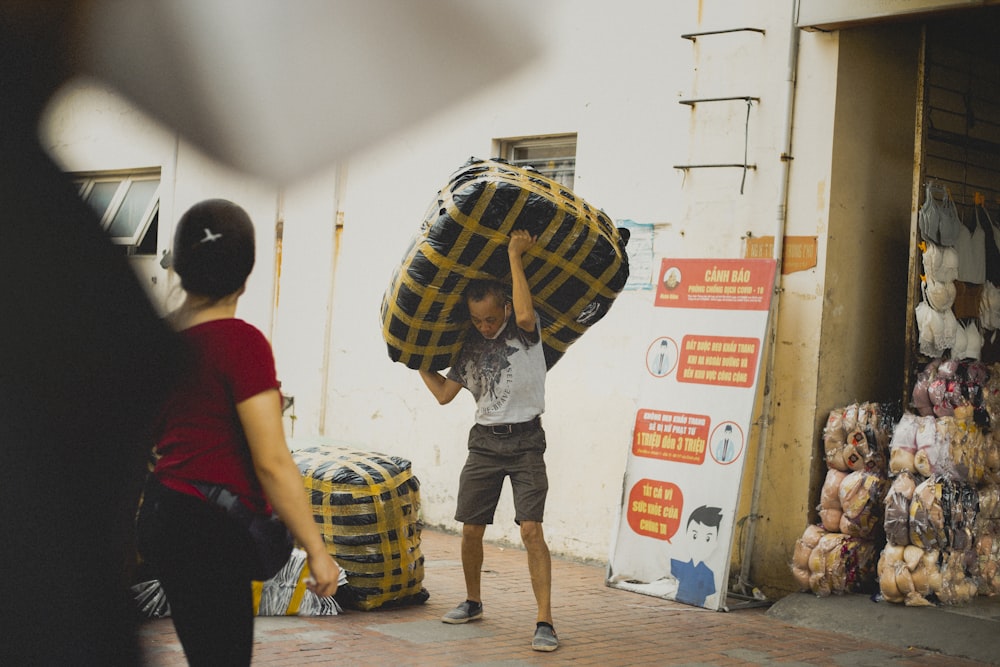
(513, 429)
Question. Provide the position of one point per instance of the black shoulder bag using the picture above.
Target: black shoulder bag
(271, 539)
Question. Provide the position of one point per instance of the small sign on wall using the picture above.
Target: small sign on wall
(798, 253)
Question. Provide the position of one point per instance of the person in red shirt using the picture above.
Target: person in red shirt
(221, 428)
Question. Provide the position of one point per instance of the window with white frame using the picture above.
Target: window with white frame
(128, 204)
(553, 156)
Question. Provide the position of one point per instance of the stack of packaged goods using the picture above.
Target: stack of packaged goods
(938, 508)
(837, 555)
(940, 520)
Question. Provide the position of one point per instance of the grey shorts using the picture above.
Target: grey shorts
(491, 459)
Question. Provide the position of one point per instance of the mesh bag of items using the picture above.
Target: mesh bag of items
(575, 270)
(367, 507)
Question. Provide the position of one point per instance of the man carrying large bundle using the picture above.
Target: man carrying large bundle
(503, 364)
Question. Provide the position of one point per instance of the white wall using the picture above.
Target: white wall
(613, 74)
(90, 127)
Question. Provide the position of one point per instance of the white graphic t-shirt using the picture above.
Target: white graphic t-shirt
(506, 375)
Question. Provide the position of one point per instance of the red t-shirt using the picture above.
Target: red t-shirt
(200, 438)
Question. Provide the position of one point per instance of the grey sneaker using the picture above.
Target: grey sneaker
(545, 639)
(463, 613)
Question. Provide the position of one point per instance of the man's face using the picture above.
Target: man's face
(488, 315)
(702, 540)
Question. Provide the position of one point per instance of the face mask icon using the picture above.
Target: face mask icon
(725, 449)
(662, 364)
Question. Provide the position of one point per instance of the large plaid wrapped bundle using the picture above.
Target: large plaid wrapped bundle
(575, 270)
(367, 508)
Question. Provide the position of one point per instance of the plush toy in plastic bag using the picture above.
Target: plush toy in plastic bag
(909, 575)
(804, 546)
(991, 394)
(830, 510)
(986, 569)
(927, 529)
(957, 588)
(861, 495)
(903, 446)
(841, 564)
(942, 514)
(857, 437)
(897, 508)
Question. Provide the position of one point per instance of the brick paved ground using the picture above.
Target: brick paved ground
(597, 625)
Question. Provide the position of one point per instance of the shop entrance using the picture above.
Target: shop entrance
(958, 166)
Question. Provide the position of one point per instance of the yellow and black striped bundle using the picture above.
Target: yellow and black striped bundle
(367, 507)
(575, 270)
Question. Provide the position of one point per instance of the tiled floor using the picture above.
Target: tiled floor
(597, 625)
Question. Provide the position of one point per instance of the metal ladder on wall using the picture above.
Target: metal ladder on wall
(748, 99)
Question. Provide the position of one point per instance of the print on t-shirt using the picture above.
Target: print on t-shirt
(506, 375)
(491, 379)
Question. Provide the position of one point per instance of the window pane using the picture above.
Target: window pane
(544, 152)
(129, 216)
(552, 157)
(147, 244)
(101, 195)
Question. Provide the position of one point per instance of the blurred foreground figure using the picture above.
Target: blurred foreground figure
(85, 361)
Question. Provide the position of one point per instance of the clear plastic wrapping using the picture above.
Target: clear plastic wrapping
(861, 494)
(367, 507)
(897, 508)
(286, 593)
(943, 514)
(804, 546)
(857, 437)
(987, 556)
(576, 270)
(909, 575)
(841, 564)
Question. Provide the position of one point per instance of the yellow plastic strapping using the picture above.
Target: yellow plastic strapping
(423, 332)
(400, 572)
(297, 594)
